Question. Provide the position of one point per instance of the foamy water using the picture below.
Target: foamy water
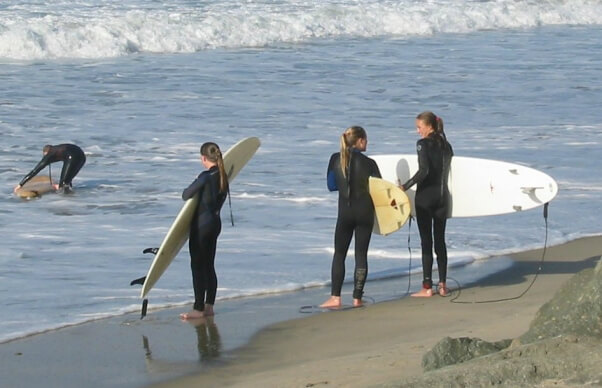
(141, 86)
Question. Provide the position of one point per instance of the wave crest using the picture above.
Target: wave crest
(111, 31)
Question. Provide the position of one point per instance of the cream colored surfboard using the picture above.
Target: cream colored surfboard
(35, 187)
(391, 205)
(234, 160)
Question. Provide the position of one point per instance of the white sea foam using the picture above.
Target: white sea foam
(109, 29)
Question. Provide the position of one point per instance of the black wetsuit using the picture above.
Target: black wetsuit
(73, 159)
(356, 214)
(205, 227)
(432, 202)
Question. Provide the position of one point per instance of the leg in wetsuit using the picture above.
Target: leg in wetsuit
(358, 218)
(71, 167)
(202, 245)
(431, 223)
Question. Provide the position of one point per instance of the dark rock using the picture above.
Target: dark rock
(562, 348)
(451, 351)
(576, 308)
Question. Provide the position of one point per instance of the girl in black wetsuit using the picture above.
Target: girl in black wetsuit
(212, 187)
(73, 159)
(348, 172)
(432, 197)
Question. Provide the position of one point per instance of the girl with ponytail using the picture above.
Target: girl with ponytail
(432, 198)
(211, 186)
(348, 172)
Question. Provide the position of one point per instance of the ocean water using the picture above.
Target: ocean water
(139, 86)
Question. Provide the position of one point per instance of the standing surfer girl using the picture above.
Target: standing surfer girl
(432, 198)
(206, 225)
(348, 172)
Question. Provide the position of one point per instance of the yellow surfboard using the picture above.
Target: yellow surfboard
(392, 206)
(35, 187)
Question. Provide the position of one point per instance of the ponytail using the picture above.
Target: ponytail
(348, 140)
(212, 152)
(223, 178)
(434, 122)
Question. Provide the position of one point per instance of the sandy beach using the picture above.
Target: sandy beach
(267, 342)
(386, 341)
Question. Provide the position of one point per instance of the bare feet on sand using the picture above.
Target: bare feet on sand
(196, 314)
(334, 302)
(442, 289)
(208, 312)
(192, 314)
(357, 303)
(423, 293)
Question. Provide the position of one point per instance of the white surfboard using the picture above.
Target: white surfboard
(234, 160)
(478, 187)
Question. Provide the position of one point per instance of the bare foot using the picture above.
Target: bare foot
(357, 303)
(192, 314)
(423, 293)
(196, 322)
(208, 312)
(333, 302)
(442, 289)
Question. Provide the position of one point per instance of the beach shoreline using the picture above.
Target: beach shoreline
(366, 347)
(267, 342)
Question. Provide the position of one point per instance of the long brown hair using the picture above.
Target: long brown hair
(435, 122)
(212, 152)
(348, 140)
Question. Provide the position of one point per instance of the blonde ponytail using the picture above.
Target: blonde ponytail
(348, 139)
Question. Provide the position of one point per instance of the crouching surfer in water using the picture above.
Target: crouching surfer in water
(73, 159)
(348, 172)
(206, 225)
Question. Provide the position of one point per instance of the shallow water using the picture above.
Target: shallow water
(510, 84)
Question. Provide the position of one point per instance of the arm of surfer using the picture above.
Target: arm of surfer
(375, 170)
(331, 179)
(41, 164)
(194, 187)
(423, 167)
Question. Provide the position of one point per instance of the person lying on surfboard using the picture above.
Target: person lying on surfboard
(73, 159)
(431, 201)
(206, 225)
(348, 172)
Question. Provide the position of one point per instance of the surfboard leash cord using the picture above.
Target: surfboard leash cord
(230, 206)
(410, 261)
(539, 268)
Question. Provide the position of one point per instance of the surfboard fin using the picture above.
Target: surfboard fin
(144, 306)
(138, 281)
(151, 250)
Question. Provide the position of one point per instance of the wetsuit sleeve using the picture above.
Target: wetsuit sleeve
(331, 179)
(195, 186)
(423, 165)
(41, 164)
(375, 170)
